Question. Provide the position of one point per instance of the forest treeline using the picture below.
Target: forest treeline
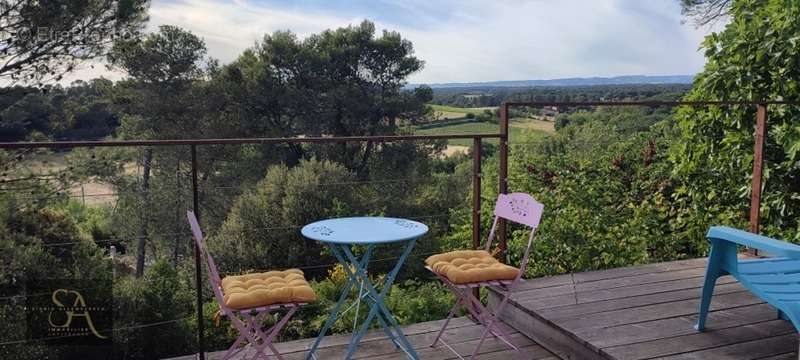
(494, 96)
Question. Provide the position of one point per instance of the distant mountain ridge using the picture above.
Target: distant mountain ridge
(578, 81)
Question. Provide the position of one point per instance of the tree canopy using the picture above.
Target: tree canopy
(43, 39)
(167, 57)
(705, 12)
(754, 58)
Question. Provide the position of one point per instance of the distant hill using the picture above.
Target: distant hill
(616, 80)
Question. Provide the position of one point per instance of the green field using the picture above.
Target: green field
(519, 128)
(453, 109)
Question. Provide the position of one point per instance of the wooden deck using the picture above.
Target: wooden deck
(648, 312)
(462, 335)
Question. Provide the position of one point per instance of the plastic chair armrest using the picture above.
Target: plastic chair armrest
(771, 246)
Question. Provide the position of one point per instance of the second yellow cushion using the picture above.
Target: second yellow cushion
(470, 266)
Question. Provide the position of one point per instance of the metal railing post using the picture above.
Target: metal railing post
(477, 149)
(198, 270)
(476, 193)
(758, 166)
(503, 177)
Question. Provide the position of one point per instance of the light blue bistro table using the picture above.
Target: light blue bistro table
(340, 235)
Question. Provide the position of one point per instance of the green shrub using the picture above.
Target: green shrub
(39, 242)
(415, 301)
(94, 221)
(608, 192)
(261, 230)
(753, 58)
(153, 314)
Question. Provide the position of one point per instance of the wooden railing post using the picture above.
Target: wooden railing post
(758, 166)
(476, 193)
(503, 177)
(198, 270)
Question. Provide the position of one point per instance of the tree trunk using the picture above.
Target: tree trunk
(294, 155)
(362, 171)
(140, 246)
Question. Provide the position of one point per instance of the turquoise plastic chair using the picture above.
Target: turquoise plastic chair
(776, 280)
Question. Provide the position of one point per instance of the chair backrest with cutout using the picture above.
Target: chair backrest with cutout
(520, 208)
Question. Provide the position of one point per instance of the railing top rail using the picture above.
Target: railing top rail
(386, 138)
(648, 103)
(237, 141)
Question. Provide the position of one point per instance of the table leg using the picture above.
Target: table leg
(335, 313)
(355, 277)
(358, 305)
(378, 304)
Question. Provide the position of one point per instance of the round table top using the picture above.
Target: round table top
(364, 230)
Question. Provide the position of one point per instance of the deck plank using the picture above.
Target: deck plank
(785, 356)
(626, 300)
(655, 312)
(609, 285)
(695, 342)
(462, 334)
(648, 312)
(683, 325)
(755, 349)
(641, 269)
(630, 292)
(373, 334)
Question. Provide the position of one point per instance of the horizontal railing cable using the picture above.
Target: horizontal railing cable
(40, 294)
(187, 233)
(330, 265)
(132, 327)
(238, 141)
(74, 195)
(244, 272)
(108, 240)
(648, 103)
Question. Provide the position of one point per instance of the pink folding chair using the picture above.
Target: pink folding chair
(465, 270)
(247, 299)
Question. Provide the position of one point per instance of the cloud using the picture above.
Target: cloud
(538, 39)
(470, 40)
(230, 27)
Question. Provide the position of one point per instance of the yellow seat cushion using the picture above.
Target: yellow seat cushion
(470, 266)
(267, 288)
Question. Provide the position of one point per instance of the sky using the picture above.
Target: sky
(466, 40)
